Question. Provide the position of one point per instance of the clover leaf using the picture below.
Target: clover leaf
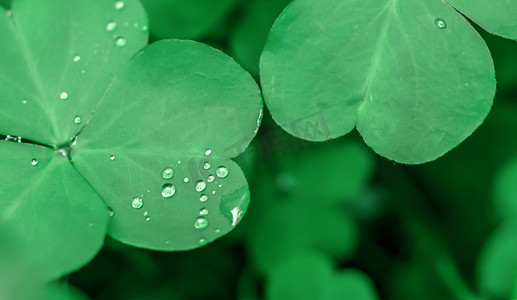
(414, 77)
(92, 130)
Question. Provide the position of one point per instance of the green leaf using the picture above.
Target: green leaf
(310, 276)
(44, 200)
(497, 263)
(58, 58)
(165, 111)
(185, 19)
(413, 76)
(505, 190)
(250, 35)
(497, 17)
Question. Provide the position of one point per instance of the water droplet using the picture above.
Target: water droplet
(111, 212)
(208, 152)
(200, 186)
(203, 212)
(179, 162)
(111, 26)
(145, 28)
(201, 223)
(218, 230)
(64, 96)
(203, 198)
(210, 178)
(25, 101)
(119, 5)
(213, 192)
(167, 173)
(202, 242)
(112, 157)
(186, 180)
(221, 172)
(220, 185)
(440, 23)
(206, 166)
(146, 213)
(120, 42)
(34, 162)
(76, 58)
(83, 71)
(168, 190)
(236, 215)
(147, 219)
(78, 120)
(137, 202)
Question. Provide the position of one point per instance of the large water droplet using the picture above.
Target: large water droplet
(137, 202)
(76, 58)
(168, 190)
(210, 178)
(78, 120)
(440, 23)
(120, 41)
(203, 212)
(203, 198)
(200, 186)
(201, 223)
(167, 173)
(111, 26)
(221, 172)
(119, 5)
(34, 162)
(64, 96)
(206, 166)
(208, 152)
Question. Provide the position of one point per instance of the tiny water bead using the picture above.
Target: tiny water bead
(218, 230)
(111, 26)
(120, 42)
(147, 219)
(168, 190)
(440, 23)
(137, 202)
(201, 223)
(25, 101)
(200, 186)
(203, 198)
(186, 180)
(76, 58)
(119, 5)
(208, 152)
(64, 96)
(111, 212)
(206, 166)
(145, 28)
(34, 162)
(202, 242)
(203, 212)
(221, 172)
(210, 178)
(78, 120)
(112, 157)
(167, 173)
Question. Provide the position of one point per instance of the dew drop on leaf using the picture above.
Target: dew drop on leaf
(25, 101)
(34, 162)
(186, 180)
(221, 172)
(218, 230)
(168, 190)
(147, 219)
(111, 26)
(206, 166)
(112, 157)
(200, 186)
(119, 5)
(210, 178)
(202, 242)
(203, 212)
(203, 198)
(64, 96)
(201, 223)
(111, 212)
(78, 120)
(121, 42)
(137, 202)
(208, 152)
(76, 58)
(167, 173)
(440, 23)
(145, 28)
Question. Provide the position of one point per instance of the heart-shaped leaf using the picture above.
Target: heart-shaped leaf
(413, 76)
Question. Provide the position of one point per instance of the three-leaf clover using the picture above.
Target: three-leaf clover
(414, 77)
(107, 132)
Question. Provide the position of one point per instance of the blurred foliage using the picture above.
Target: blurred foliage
(328, 218)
